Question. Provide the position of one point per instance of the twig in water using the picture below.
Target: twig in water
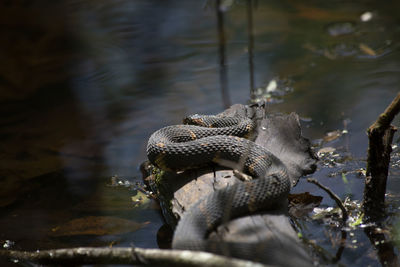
(344, 215)
(333, 196)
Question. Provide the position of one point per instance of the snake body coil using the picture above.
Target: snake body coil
(219, 140)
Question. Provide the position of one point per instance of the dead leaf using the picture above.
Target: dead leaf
(367, 50)
(321, 213)
(141, 199)
(325, 150)
(301, 204)
(332, 135)
(96, 225)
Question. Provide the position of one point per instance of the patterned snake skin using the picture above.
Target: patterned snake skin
(219, 140)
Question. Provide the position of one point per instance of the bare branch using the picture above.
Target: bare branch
(384, 120)
(137, 256)
(380, 135)
(333, 196)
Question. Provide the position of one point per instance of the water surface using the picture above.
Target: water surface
(84, 84)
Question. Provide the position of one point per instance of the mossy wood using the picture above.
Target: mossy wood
(279, 243)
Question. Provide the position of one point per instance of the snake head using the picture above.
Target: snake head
(195, 119)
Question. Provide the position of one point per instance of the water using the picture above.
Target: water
(84, 84)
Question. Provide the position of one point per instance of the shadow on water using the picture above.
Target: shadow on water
(84, 84)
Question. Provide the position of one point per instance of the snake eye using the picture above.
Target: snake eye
(192, 119)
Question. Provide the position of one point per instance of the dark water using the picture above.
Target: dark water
(84, 84)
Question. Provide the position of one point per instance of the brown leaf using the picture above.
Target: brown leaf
(301, 204)
(367, 50)
(325, 150)
(96, 225)
(332, 135)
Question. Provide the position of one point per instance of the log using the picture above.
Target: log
(278, 242)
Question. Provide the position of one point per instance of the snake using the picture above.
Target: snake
(205, 139)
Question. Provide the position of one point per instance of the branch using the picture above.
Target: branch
(380, 135)
(345, 215)
(333, 196)
(384, 120)
(136, 256)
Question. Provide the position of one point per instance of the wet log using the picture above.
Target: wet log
(277, 241)
(380, 136)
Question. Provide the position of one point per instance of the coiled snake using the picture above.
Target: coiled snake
(219, 140)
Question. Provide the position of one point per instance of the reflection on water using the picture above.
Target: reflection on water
(84, 83)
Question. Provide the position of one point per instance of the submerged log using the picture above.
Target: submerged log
(278, 242)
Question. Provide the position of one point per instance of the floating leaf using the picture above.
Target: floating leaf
(325, 150)
(332, 135)
(96, 225)
(321, 213)
(140, 199)
(367, 50)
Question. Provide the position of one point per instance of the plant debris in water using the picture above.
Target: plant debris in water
(273, 91)
(302, 204)
(332, 216)
(348, 39)
(8, 244)
(142, 196)
(350, 235)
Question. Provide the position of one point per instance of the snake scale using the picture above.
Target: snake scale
(222, 140)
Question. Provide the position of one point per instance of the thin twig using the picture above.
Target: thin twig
(131, 256)
(384, 120)
(333, 196)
